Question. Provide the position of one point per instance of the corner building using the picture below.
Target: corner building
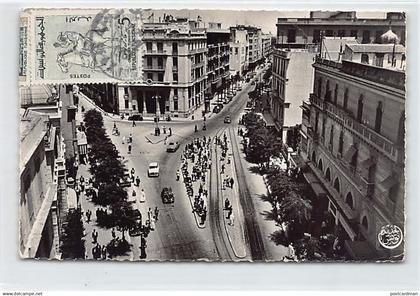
(354, 145)
(174, 71)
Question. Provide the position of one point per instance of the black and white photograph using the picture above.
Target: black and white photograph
(212, 135)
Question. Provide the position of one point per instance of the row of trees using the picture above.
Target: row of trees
(72, 243)
(108, 171)
(287, 195)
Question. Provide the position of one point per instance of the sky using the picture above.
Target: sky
(266, 20)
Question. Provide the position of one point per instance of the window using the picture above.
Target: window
(335, 93)
(379, 60)
(346, 98)
(175, 48)
(360, 109)
(349, 200)
(175, 104)
(319, 87)
(149, 62)
(126, 104)
(150, 76)
(291, 36)
(160, 77)
(329, 33)
(378, 118)
(341, 143)
(175, 92)
(320, 165)
(331, 138)
(316, 121)
(317, 36)
(149, 46)
(126, 90)
(175, 76)
(328, 175)
(236, 51)
(324, 122)
(328, 92)
(160, 62)
(337, 185)
(160, 47)
(366, 36)
(365, 58)
(353, 33)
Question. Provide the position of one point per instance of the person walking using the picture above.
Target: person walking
(137, 181)
(150, 214)
(230, 211)
(130, 138)
(134, 123)
(104, 252)
(231, 182)
(94, 236)
(232, 220)
(88, 215)
(164, 129)
(113, 233)
(227, 203)
(165, 141)
(170, 131)
(156, 214)
(129, 148)
(177, 175)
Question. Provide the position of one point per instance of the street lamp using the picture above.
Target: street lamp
(157, 130)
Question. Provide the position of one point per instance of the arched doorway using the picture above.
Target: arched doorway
(349, 200)
(328, 175)
(337, 184)
(320, 166)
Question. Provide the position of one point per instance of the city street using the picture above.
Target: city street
(178, 235)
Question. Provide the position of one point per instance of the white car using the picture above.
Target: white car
(153, 170)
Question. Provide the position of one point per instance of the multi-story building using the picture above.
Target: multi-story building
(42, 173)
(307, 32)
(217, 61)
(174, 66)
(292, 80)
(105, 95)
(254, 45)
(353, 143)
(266, 45)
(238, 51)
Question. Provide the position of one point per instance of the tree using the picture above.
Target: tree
(262, 146)
(72, 242)
(296, 212)
(281, 184)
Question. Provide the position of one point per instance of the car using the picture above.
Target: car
(172, 147)
(227, 119)
(136, 117)
(216, 109)
(153, 170)
(126, 179)
(167, 195)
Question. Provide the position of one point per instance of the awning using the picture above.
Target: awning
(350, 153)
(388, 183)
(269, 121)
(367, 163)
(71, 198)
(314, 183)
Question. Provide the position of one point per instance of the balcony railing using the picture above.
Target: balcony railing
(378, 141)
(156, 52)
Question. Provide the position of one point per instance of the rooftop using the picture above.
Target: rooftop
(376, 48)
(37, 95)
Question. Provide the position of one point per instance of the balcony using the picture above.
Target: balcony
(154, 68)
(365, 133)
(156, 52)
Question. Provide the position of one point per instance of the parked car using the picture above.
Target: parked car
(167, 195)
(227, 119)
(136, 117)
(172, 147)
(153, 170)
(126, 180)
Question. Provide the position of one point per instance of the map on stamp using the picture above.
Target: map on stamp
(85, 45)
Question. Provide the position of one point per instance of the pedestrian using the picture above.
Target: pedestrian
(227, 203)
(231, 182)
(223, 168)
(123, 140)
(230, 211)
(195, 129)
(232, 220)
(177, 175)
(115, 125)
(104, 252)
(134, 123)
(130, 138)
(129, 148)
(137, 181)
(88, 215)
(94, 236)
(152, 224)
(165, 140)
(156, 213)
(150, 214)
(113, 233)
(134, 194)
(170, 131)
(133, 171)
(164, 129)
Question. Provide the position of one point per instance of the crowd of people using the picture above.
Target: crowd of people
(195, 163)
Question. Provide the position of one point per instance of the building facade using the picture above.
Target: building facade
(292, 80)
(266, 45)
(218, 62)
(353, 142)
(174, 65)
(307, 32)
(254, 45)
(239, 47)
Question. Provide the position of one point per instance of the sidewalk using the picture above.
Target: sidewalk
(235, 231)
(258, 191)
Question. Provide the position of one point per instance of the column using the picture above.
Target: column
(143, 95)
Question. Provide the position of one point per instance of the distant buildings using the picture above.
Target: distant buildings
(353, 141)
(239, 48)
(307, 32)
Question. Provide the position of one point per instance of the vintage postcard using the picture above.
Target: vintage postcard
(214, 135)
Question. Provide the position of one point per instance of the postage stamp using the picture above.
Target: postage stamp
(82, 45)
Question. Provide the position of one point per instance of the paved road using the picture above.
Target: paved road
(177, 236)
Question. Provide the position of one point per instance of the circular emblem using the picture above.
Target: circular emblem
(390, 236)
